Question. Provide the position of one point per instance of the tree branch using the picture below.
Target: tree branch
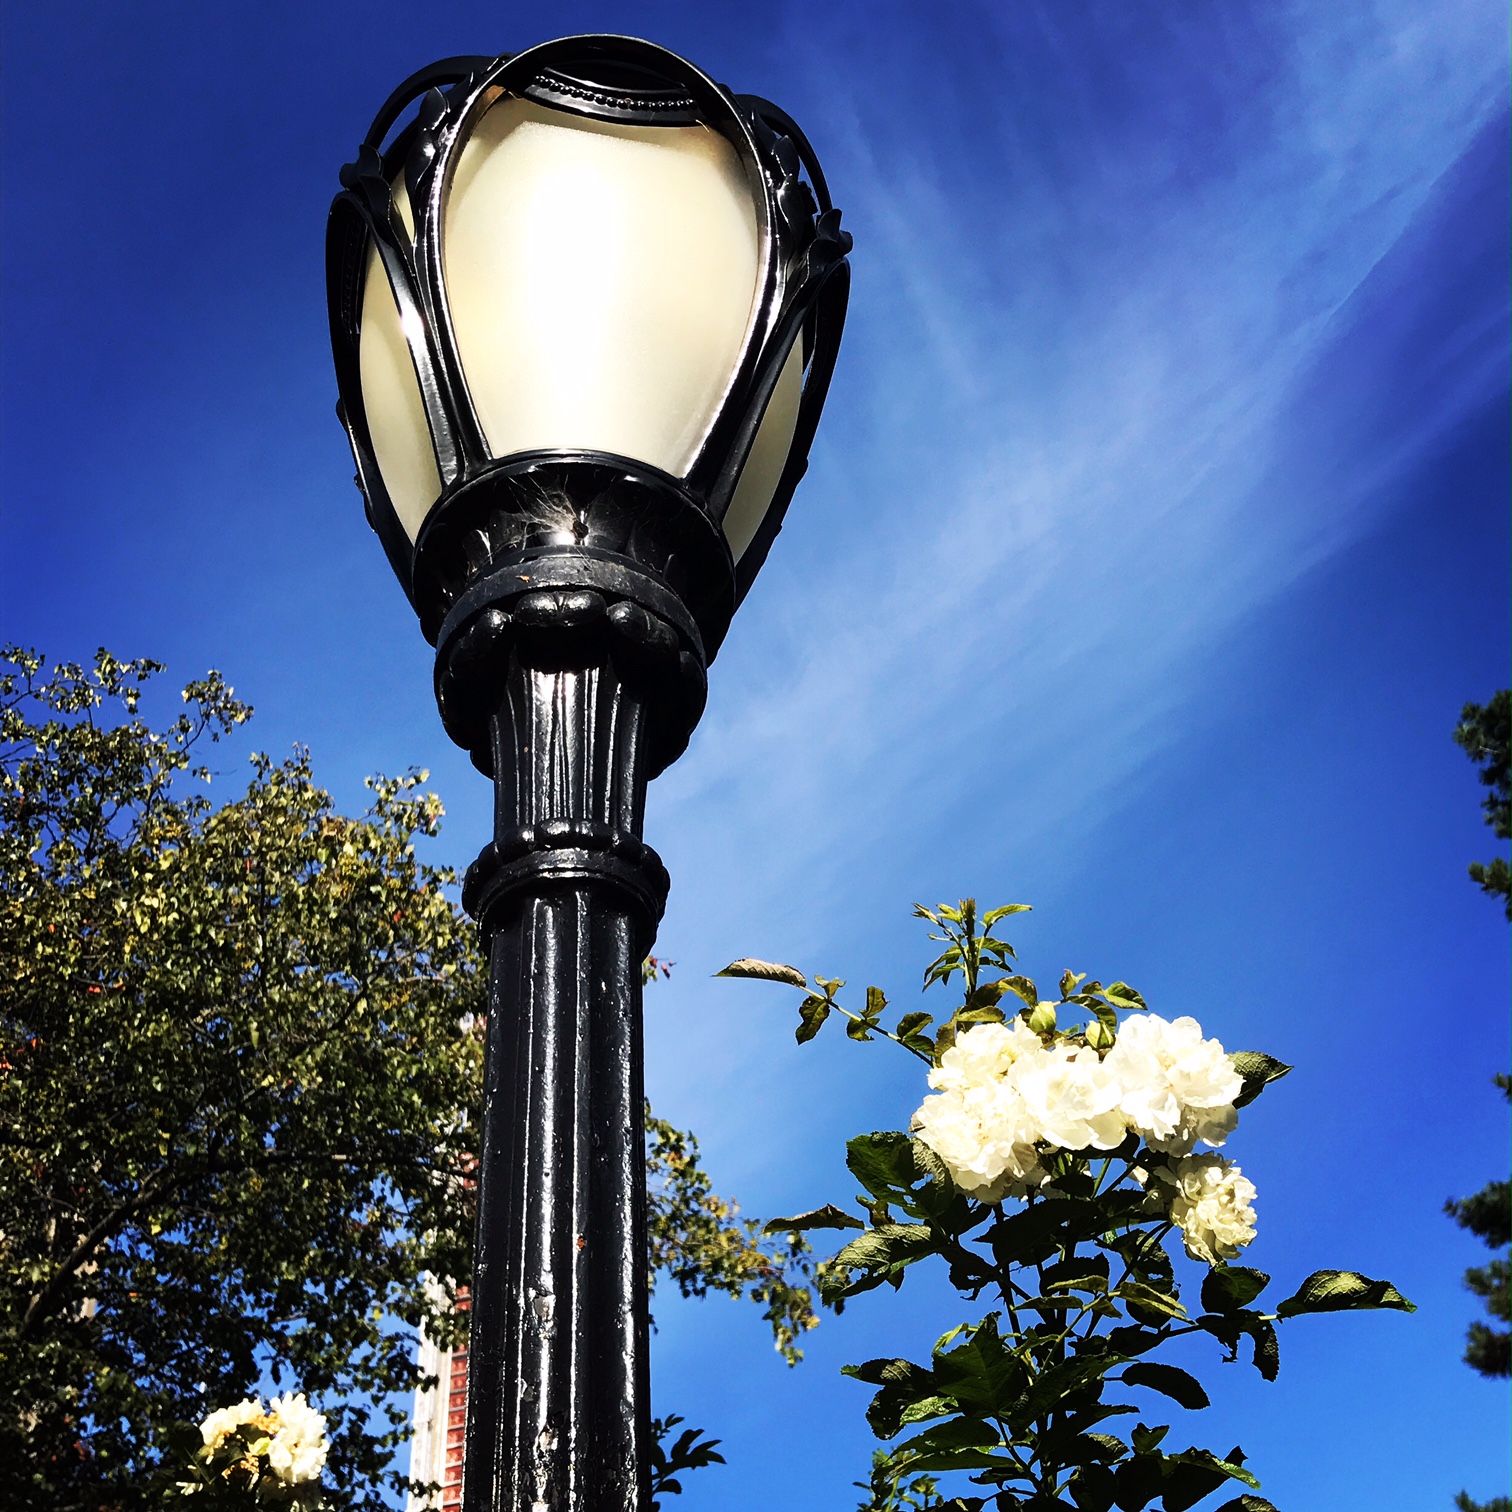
(46, 1301)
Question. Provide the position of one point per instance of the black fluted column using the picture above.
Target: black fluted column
(588, 692)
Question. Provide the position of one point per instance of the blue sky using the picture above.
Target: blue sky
(1155, 533)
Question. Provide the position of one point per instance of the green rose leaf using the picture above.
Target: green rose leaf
(1182, 1388)
(1208, 1463)
(980, 1373)
(812, 1012)
(1257, 1071)
(882, 1162)
(988, 1013)
(827, 1217)
(1143, 1301)
(1190, 1476)
(764, 971)
(1342, 1291)
(1087, 1273)
(1093, 1488)
(1248, 1503)
(1231, 1327)
(958, 1433)
(1026, 1237)
(1267, 1357)
(908, 1394)
(1227, 1288)
(1023, 988)
(992, 915)
(987, 995)
(890, 1373)
(886, 1243)
(1061, 1381)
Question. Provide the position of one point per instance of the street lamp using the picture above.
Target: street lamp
(584, 307)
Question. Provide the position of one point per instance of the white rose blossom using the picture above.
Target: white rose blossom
(984, 1137)
(1072, 1098)
(297, 1453)
(983, 1055)
(1209, 1200)
(1000, 1094)
(1177, 1086)
(222, 1423)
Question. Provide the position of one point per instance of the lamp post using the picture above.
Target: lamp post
(584, 308)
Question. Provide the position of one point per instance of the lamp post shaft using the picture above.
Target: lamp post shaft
(569, 896)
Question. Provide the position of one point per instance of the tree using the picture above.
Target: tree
(1483, 734)
(240, 1059)
(1497, 1504)
(1488, 1217)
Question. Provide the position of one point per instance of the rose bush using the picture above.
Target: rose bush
(1047, 1168)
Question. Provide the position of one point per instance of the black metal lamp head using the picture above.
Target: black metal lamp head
(586, 302)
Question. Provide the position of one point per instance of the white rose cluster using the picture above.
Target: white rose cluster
(1002, 1097)
(289, 1434)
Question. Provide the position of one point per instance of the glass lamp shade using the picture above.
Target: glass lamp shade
(601, 279)
(584, 298)
(768, 456)
(391, 392)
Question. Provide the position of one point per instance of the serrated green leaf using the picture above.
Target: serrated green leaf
(980, 1372)
(1227, 1288)
(827, 1217)
(1093, 1488)
(1204, 1459)
(1080, 1273)
(1342, 1291)
(1267, 1356)
(1231, 1327)
(986, 995)
(1054, 1386)
(1186, 1390)
(812, 1012)
(1138, 1295)
(889, 1246)
(1028, 1236)
(994, 914)
(958, 1433)
(884, 1162)
(987, 1014)
(764, 971)
(1024, 987)
(1257, 1071)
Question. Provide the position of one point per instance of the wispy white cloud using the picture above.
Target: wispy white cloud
(1053, 473)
